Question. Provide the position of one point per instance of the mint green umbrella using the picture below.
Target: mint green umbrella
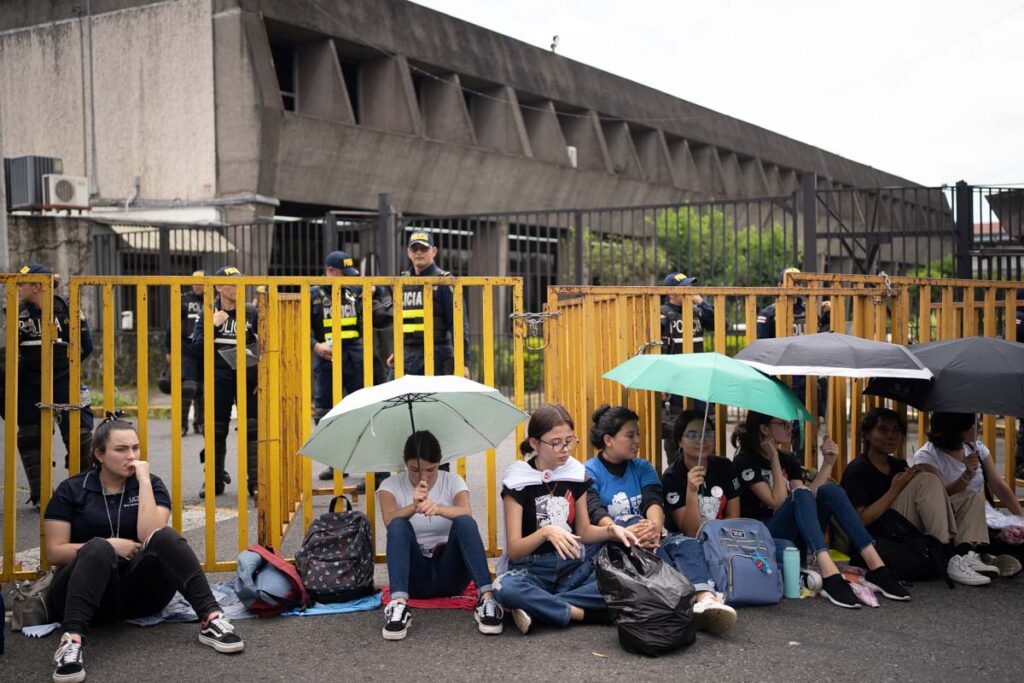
(712, 378)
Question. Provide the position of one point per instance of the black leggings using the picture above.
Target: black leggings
(99, 587)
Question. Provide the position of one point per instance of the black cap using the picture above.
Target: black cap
(678, 280)
(35, 269)
(341, 261)
(227, 270)
(421, 237)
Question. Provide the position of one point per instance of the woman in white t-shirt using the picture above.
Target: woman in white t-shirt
(434, 547)
(964, 464)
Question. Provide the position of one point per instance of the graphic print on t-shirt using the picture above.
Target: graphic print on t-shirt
(558, 511)
(623, 506)
(712, 504)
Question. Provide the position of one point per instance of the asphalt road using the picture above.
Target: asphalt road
(963, 634)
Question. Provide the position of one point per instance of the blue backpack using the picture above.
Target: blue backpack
(741, 558)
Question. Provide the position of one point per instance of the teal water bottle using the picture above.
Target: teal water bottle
(791, 572)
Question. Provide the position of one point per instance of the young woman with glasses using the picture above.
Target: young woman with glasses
(544, 574)
(772, 490)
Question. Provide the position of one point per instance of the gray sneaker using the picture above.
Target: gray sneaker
(1008, 565)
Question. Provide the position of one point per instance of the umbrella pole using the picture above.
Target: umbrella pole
(704, 427)
(412, 423)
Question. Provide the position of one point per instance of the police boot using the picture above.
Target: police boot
(220, 445)
(252, 456)
(29, 450)
(188, 392)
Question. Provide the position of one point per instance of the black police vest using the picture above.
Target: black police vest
(30, 337)
(226, 336)
(672, 329)
(191, 309)
(412, 312)
(323, 311)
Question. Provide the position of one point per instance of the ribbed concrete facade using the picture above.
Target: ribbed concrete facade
(325, 105)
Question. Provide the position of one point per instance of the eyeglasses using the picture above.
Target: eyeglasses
(562, 444)
(781, 423)
(697, 436)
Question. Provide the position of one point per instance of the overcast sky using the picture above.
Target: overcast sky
(931, 91)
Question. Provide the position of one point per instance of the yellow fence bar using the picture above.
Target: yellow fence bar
(209, 421)
(176, 417)
(337, 369)
(428, 330)
(74, 417)
(109, 384)
(458, 347)
(49, 335)
(489, 455)
(142, 365)
(10, 430)
(306, 407)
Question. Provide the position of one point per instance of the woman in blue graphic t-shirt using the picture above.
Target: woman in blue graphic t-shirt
(626, 491)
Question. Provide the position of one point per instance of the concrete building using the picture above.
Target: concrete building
(295, 107)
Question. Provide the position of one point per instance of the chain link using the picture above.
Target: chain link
(890, 290)
(534, 326)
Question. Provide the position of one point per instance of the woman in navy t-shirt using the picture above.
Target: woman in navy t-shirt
(107, 531)
(773, 491)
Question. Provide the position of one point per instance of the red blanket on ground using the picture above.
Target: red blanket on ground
(467, 600)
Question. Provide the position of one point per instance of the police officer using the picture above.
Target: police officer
(30, 339)
(191, 363)
(421, 252)
(225, 334)
(337, 264)
(672, 342)
(766, 330)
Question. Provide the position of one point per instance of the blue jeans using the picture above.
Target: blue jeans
(806, 515)
(546, 586)
(412, 574)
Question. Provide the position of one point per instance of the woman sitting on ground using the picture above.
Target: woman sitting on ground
(964, 465)
(544, 574)
(772, 490)
(880, 485)
(434, 547)
(107, 531)
(626, 491)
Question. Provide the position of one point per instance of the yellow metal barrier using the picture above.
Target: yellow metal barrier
(283, 402)
(597, 328)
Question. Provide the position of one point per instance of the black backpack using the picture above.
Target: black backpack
(336, 559)
(910, 554)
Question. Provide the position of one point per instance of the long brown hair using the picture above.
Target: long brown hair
(543, 420)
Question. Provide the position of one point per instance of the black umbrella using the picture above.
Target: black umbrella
(832, 354)
(972, 375)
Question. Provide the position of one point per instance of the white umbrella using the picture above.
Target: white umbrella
(367, 430)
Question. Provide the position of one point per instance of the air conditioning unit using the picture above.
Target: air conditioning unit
(65, 192)
(24, 180)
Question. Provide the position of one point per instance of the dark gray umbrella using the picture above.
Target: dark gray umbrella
(832, 354)
(972, 375)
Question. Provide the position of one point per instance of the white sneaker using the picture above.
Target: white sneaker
(712, 615)
(974, 561)
(489, 616)
(397, 619)
(523, 620)
(1008, 565)
(960, 571)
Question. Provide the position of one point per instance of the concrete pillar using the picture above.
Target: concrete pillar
(490, 257)
(773, 180)
(754, 181)
(583, 131)
(620, 146)
(546, 139)
(445, 116)
(320, 85)
(653, 153)
(709, 169)
(685, 173)
(498, 121)
(731, 176)
(387, 99)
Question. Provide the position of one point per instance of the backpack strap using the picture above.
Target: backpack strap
(333, 504)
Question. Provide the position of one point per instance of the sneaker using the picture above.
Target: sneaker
(960, 571)
(523, 620)
(218, 488)
(489, 616)
(811, 580)
(838, 591)
(398, 619)
(974, 561)
(220, 634)
(69, 663)
(712, 615)
(1008, 565)
(883, 581)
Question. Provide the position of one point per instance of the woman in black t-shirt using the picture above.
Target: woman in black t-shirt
(106, 529)
(546, 527)
(696, 493)
(773, 491)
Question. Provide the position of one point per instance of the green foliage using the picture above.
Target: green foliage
(944, 267)
(705, 243)
(614, 259)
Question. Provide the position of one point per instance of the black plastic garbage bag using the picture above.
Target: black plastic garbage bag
(650, 602)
